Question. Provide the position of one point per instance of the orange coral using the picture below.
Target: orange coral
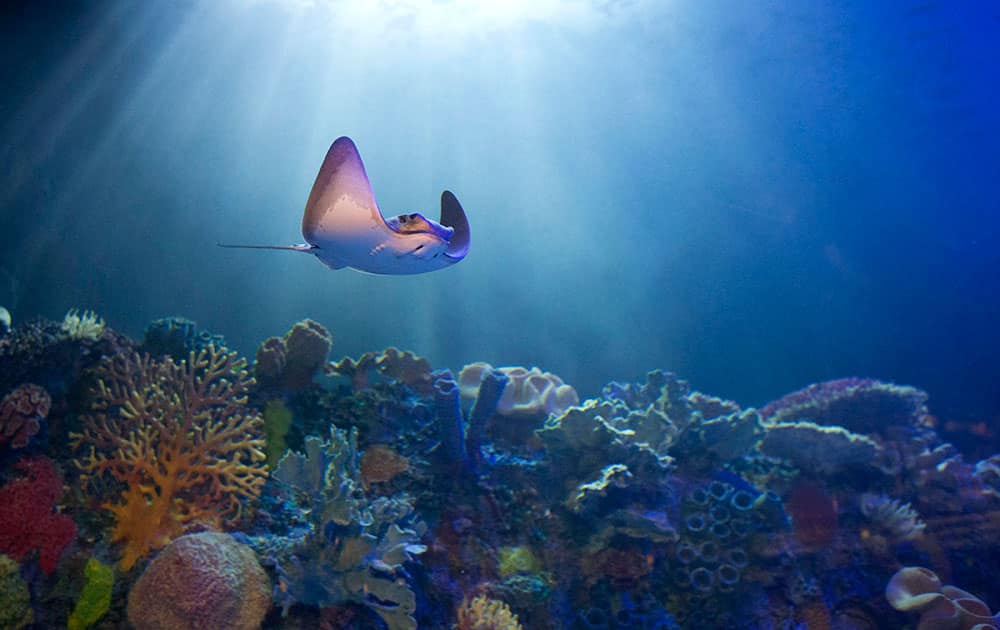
(380, 463)
(181, 440)
(482, 613)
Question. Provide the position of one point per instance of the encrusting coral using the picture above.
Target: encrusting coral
(21, 413)
(205, 580)
(179, 438)
(860, 405)
(15, 599)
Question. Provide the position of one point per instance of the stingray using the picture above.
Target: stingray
(344, 227)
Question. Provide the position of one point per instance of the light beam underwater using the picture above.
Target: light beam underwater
(344, 227)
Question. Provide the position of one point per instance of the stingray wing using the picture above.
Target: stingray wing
(453, 216)
(341, 203)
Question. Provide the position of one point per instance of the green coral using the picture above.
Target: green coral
(277, 421)
(519, 559)
(15, 600)
(95, 597)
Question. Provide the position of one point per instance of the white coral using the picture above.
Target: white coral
(85, 326)
(898, 520)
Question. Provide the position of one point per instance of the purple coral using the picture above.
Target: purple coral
(860, 405)
(205, 580)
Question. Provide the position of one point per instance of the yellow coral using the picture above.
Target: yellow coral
(180, 438)
(483, 613)
(85, 326)
(519, 559)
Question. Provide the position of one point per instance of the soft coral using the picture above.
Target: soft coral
(27, 520)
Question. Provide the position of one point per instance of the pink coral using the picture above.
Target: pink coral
(21, 412)
(919, 590)
(27, 520)
(204, 580)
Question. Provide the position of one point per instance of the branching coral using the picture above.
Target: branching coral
(180, 439)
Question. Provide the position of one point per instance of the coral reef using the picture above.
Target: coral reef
(356, 548)
(21, 414)
(203, 580)
(27, 520)
(181, 441)
(411, 498)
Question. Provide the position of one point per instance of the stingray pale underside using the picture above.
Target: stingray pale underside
(343, 226)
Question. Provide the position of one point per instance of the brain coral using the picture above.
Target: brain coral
(205, 580)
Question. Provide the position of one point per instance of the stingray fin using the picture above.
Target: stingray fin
(453, 216)
(341, 196)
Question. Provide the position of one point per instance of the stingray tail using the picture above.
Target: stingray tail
(301, 247)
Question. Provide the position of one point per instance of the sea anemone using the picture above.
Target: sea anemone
(896, 520)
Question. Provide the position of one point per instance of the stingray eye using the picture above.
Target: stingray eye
(403, 218)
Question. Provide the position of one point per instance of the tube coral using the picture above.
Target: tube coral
(179, 438)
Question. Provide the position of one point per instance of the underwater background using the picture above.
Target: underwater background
(736, 264)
